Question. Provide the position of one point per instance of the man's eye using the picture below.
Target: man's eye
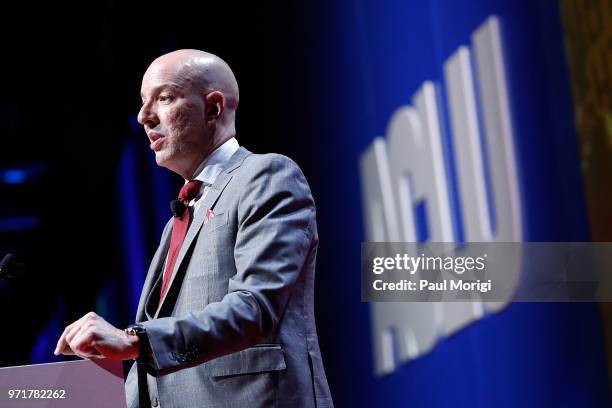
(164, 98)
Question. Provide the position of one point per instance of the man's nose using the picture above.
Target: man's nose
(147, 117)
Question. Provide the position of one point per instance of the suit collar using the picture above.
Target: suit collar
(214, 164)
(237, 159)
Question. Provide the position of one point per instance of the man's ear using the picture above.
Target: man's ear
(215, 105)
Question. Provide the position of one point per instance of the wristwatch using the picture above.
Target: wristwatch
(140, 331)
(135, 329)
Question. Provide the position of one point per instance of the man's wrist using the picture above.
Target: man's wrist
(136, 334)
(133, 346)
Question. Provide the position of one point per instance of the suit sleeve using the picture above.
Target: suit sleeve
(276, 222)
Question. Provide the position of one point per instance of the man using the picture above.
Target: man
(226, 313)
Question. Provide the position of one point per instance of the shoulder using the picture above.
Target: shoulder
(272, 188)
(270, 161)
(271, 175)
(272, 167)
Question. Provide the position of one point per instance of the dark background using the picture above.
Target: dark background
(71, 93)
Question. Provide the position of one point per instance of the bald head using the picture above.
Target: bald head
(201, 69)
(189, 107)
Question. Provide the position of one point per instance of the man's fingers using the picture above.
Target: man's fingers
(64, 341)
(81, 340)
(67, 351)
(70, 335)
(92, 351)
(88, 352)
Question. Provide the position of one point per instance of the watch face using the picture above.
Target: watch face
(135, 329)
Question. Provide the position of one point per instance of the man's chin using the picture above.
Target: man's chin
(164, 160)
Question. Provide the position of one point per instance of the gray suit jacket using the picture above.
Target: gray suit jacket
(237, 328)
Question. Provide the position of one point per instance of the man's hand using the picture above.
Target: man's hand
(93, 337)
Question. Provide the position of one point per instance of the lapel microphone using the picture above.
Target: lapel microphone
(177, 207)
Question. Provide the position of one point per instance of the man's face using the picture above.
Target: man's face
(173, 116)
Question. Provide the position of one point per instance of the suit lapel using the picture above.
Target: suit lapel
(154, 273)
(208, 202)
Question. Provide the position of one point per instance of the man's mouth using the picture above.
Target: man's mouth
(157, 144)
(156, 140)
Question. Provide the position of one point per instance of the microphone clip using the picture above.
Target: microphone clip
(178, 208)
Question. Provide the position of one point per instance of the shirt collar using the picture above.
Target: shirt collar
(214, 164)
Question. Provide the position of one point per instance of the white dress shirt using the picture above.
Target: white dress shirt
(211, 167)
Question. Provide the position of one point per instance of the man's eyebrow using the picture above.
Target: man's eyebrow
(160, 88)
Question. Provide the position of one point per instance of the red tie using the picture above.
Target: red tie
(180, 224)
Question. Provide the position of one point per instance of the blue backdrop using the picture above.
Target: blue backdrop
(373, 57)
